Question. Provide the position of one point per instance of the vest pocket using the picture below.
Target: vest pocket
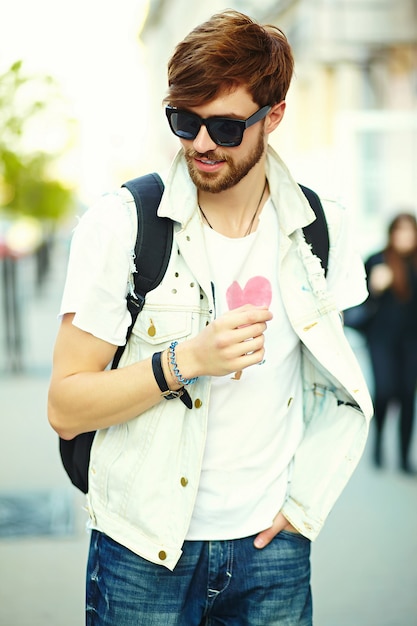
(156, 326)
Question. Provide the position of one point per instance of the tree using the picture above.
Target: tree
(32, 199)
(27, 183)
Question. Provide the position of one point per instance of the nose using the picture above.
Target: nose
(203, 142)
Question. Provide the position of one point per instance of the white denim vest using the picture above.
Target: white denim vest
(144, 474)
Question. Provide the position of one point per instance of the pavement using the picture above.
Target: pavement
(364, 563)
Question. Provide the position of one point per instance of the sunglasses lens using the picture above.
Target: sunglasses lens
(226, 132)
(223, 131)
(184, 124)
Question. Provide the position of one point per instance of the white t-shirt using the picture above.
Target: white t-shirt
(255, 416)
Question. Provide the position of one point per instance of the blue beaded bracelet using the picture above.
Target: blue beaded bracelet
(172, 360)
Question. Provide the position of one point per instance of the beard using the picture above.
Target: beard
(217, 182)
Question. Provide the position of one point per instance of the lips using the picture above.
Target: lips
(206, 161)
(209, 158)
(208, 165)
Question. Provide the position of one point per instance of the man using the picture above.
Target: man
(205, 515)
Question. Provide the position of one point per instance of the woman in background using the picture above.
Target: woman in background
(392, 331)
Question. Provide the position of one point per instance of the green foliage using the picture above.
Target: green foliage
(26, 185)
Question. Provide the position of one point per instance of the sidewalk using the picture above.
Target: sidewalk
(364, 562)
(42, 577)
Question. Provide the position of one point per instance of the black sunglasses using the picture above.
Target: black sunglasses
(224, 131)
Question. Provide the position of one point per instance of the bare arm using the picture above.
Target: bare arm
(84, 396)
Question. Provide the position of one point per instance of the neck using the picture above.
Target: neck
(235, 212)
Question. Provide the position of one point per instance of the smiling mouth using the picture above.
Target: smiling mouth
(208, 161)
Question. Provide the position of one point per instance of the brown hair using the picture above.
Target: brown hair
(397, 262)
(228, 51)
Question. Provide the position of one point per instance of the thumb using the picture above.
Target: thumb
(266, 536)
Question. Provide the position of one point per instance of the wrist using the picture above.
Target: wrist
(168, 392)
(179, 370)
(170, 378)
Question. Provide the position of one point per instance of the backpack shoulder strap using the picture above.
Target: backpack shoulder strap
(154, 235)
(317, 233)
(153, 244)
(153, 249)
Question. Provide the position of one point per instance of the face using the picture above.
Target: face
(403, 237)
(214, 168)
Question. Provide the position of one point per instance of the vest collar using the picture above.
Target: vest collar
(179, 200)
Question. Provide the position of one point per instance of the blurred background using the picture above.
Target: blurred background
(81, 89)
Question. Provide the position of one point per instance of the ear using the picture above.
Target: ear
(274, 117)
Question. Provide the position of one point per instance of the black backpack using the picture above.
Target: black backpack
(153, 250)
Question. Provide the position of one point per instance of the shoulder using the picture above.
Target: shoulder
(336, 213)
(113, 215)
(341, 226)
(339, 221)
(346, 276)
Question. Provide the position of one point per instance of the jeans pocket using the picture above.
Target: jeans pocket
(292, 534)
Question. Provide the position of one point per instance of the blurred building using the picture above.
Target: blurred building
(350, 129)
(354, 123)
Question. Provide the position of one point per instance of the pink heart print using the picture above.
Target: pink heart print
(257, 291)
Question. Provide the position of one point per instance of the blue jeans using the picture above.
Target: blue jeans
(215, 583)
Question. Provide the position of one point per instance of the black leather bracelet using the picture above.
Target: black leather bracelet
(168, 393)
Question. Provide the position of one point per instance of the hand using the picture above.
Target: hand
(380, 278)
(266, 536)
(229, 344)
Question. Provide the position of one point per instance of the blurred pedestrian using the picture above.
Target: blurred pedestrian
(391, 332)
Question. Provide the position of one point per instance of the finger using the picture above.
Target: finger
(252, 346)
(246, 333)
(247, 352)
(266, 536)
(248, 317)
